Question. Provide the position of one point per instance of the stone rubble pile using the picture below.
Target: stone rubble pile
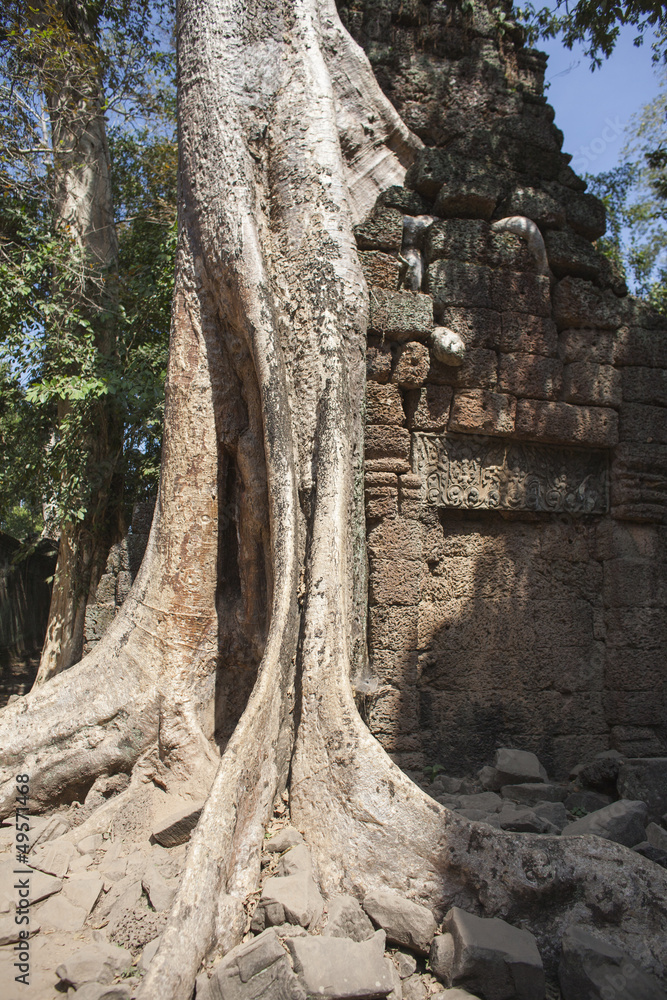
(98, 905)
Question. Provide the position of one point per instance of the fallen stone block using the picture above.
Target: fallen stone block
(42, 886)
(405, 963)
(341, 969)
(522, 820)
(296, 859)
(176, 827)
(530, 792)
(404, 922)
(657, 836)
(490, 957)
(283, 839)
(655, 854)
(53, 858)
(96, 991)
(645, 778)
(59, 914)
(10, 930)
(586, 802)
(516, 767)
(257, 969)
(553, 812)
(98, 963)
(160, 893)
(148, 954)
(292, 899)
(624, 822)
(84, 890)
(593, 969)
(347, 919)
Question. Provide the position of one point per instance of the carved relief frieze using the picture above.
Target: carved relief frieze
(483, 473)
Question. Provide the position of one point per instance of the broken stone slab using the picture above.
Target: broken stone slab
(489, 957)
(516, 767)
(530, 792)
(81, 863)
(553, 812)
(96, 991)
(295, 859)
(521, 820)
(59, 914)
(53, 858)
(84, 890)
(148, 954)
(645, 778)
(257, 969)
(52, 827)
(488, 802)
(42, 886)
(624, 822)
(341, 969)
(160, 893)
(90, 844)
(292, 899)
(124, 893)
(587, 802)
(601, 773)
(10, 930)
(593, 969)
(96, 963)
(347, 919)
(404, 922)
(405, 963)
(282, 840)
(657, 836)
(176, 827)
(414, 988)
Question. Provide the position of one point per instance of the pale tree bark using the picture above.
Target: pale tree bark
(285, 141)
(83, 209)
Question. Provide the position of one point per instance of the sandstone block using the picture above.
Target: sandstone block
(478, 370)
(53, 858)
(594, 969)
(477, 327)
(521, 292)
(645, 778)
(520, 819)
(346, 919)
(636, 345)
(563, 423)
(645, 385)
(554, 813)
(283, 840)
(579, 304)
(634, 707)
(175, 828)
(526, 334)
(428, 408)
(293, 899)
(462, 240)
(378, 362)
(405, 923)
(381, 494)
(394, 581)
(160, 892)
(592, 384)
(255, 970)
(84, 890)
(514, 767)
(41, 886)
(479, 411)
(570, 254)
(399, 538)
(644, 424)
(340, 969)
(295, 860)
(148, 954)
(383, 230)
(454, 284)
(381, 270)
(95, 963)
(400, 316)
(530, 375)
(531, 792)
(384, 404)
(412, 365)
(591, 346)
(490, 957)
(624, 822)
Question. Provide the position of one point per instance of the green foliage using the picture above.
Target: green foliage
(83, 349)
(635, 195)
(596, 26)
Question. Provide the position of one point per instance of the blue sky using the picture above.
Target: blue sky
(592, 109)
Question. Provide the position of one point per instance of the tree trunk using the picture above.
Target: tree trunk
(285, 141)
(83, 208)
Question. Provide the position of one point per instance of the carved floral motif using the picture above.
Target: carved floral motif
(483, 473)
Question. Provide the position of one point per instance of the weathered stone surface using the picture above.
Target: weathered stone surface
(341, 969)
(295, 859)
(10, 930)
(88, 845)
(530, 375)
(524, 334)
(639, 482)
(587, 215)
(478, 370)
(406, 923)
(428, 408)
(347, 919)
(645, 385)
(293, 899)
(515, 767)
(601, 774)
(405, 963)
(96, 991)
(98, 962)
(84, 890)
(479, 411)
(592, 384)
(54, 857)
(488, 956)
(570, 254)
(657, 836)
(521, 292)
(378, 362)
(41, 886)
(594, 969)
(176, 827)
(566, 424)
(400, 316)
(643, 424)
(381, 270)
(587, 346)
(383, 230)
(454, 284)
(531, 792)
(476, 327)
(59, 914)
(384, 404)
(535, 204)
(412, 365)
(408, 202)
(623, 822)
(579, 304)
(388, 442)
(486, 801)
(645, 778)
(553, 812)
(655, 854)
(461, 240)
(520, 819)
(148, 954)
(160, 893)
(257, 970)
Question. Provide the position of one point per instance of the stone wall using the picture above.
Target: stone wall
(515, 501)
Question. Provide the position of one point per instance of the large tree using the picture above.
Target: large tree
(256, 558)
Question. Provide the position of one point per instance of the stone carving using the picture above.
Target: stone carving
(483, 473)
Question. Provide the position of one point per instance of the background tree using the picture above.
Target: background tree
(85, 292)
(285, 141)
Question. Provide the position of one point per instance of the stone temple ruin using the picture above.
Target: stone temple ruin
(516, 478)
